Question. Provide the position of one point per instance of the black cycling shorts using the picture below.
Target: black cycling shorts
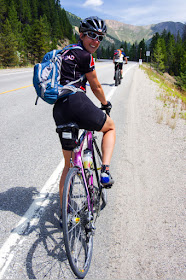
(120, 65)
(80, 109)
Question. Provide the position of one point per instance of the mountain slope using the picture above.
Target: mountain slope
(131, 33)
(119, 31)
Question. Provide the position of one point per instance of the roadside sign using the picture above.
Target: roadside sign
(147, 53)
(140, 61)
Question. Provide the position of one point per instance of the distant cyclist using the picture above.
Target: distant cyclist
(78, 65)
(119, 57)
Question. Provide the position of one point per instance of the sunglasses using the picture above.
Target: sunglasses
(94, 36)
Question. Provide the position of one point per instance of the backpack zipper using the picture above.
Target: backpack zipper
(53, 75)
(54, 69)
(39, 73)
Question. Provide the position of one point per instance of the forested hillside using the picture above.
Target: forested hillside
(30, 28)
(168, 54)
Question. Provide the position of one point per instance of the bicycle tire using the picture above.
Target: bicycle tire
(78, 242)
(117, 77)
(104, 198)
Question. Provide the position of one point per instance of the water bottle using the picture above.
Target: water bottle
(87, 159)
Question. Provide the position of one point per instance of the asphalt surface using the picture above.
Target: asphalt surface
(139, 234)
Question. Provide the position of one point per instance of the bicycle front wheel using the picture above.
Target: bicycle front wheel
(77, 238)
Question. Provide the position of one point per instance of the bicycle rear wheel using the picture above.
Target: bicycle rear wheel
(78, 240)
(117, 77)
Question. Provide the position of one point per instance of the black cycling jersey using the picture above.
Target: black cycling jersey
(75, 63)
(78, 107)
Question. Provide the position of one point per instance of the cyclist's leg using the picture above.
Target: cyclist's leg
(121, 68)
(108, 141)
(67, 155)
(62, 115)
(115, 68)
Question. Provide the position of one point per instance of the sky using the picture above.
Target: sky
(135, 12)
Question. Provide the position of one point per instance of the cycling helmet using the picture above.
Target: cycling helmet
(93, 24)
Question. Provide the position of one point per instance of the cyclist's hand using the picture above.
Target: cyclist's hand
(107, 107)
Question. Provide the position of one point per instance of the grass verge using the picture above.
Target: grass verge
(173, 100)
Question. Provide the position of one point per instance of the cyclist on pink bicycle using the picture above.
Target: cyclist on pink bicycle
(78, 65)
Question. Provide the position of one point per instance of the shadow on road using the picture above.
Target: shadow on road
(17, 200)
(46, 258)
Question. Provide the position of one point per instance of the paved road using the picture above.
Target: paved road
(140, 234)
(30, 154)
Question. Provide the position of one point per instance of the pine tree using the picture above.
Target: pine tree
(142, 50)
(8, 46)
(34, 9)
(65, 25)
(125, 47)
(3, 10)
(24, 11)
(165, 35)
(178, 53)
(133, 53)
(158, 56)
(170, 52)
(13, 19)
(153, 42)
(164, 51)
(112, 51)
(15, 24)
(23, 15)
(183, 62)
(39, 40)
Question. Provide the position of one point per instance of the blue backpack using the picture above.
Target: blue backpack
(46, 79)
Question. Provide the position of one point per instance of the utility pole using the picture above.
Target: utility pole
(140, 60)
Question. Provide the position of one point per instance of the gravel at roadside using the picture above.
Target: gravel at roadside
(147, 202)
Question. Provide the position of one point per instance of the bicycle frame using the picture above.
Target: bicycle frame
(78, 161)
(81, 209)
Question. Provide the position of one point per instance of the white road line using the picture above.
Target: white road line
(111, 93)
(13, 73)
(30, 218)
(34, 213)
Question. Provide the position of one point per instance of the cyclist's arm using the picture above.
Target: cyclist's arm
(125, 57)
(96, 86)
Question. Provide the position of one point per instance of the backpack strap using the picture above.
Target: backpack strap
(37, 97)
(69, 88)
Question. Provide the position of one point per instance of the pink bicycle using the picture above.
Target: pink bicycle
(83, 196)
